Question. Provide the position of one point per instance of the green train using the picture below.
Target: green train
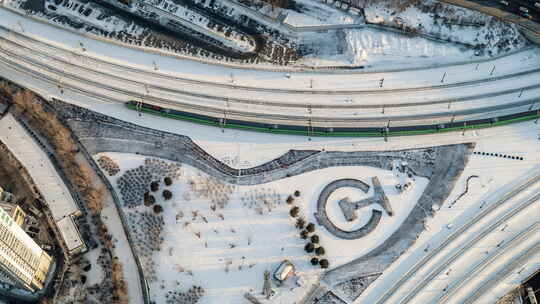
(331, 132)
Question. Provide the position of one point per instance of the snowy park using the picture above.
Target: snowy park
(223, 237)
(283, 151)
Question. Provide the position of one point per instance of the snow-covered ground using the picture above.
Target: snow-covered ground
(87, 15)
(269, 79)
(313, 13)
(377, 48)
(170, 13)
(368, 47)
(227, 250)
(446, 22)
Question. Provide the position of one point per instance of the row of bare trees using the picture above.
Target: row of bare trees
(59, 137)
(28, 106)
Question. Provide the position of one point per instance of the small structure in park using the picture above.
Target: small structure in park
(284, 271)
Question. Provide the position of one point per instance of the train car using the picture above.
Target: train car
(308, 130)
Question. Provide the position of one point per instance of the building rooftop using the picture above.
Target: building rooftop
(70, 233)
(34, 159)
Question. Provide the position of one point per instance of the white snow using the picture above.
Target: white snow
(313, 13)
(447, 22)
(271, 235)
(371, 47)
(169, 11)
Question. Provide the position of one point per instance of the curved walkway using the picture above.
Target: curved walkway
(442, 165)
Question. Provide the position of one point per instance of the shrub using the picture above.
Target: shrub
(309, 247)
(315, 239)
(314, 261)
(168, 181)
(158, 209)
(319, 251)
(297, 193)
(294, 211)
(154, 186)
(300, 223)
(310, 227)
(324, 263)
(149, 200)
(167, 195)
(304, 234)
(290, 199)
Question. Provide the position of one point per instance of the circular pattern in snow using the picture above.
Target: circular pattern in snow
(335, 215)
(322, 216)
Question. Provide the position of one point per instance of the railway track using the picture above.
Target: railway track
(503, 273)
(218, 107)
(521, 186)
(92, 61)
(332, 105)
(451, 290)
(484, 232)
(375, 122)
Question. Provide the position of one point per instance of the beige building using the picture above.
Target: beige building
(16, 213)
(20, 257)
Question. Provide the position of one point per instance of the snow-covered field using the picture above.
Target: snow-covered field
(313, 13)
(471, 35)
(447, 22)
(378, 48)
(226, 249)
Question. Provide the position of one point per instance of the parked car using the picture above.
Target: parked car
(46, 247)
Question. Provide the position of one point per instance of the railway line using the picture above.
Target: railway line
(220, 108)
(156, 87)
(26, 42)
(419, 286)
(250, 116)
(411, 107)
(529, 181)
(453, 288)
(503, 273)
